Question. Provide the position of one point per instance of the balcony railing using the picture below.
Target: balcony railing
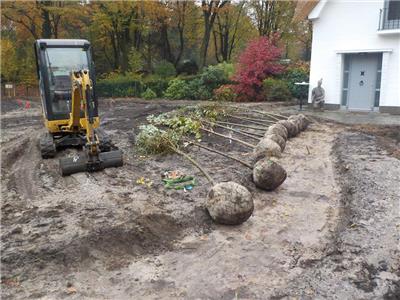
(389, 18)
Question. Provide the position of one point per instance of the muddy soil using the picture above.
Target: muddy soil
(330, 231)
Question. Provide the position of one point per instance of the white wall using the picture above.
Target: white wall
(345, 26)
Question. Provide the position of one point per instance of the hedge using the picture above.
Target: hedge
(120, 87)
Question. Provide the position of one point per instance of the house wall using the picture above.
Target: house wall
(352, 26)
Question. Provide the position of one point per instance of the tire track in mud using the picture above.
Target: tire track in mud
(362, 259)
(24, 169)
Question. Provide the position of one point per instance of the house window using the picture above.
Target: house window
(393, 10)
(390, 15)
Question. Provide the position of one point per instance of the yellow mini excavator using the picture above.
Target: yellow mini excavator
(70, 108)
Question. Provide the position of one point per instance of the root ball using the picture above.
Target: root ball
(229, 203)
(277, 139)
(278, 129)
(266, 148)
(290, 127)
(295, 120)
(303, 121)
(268, 175)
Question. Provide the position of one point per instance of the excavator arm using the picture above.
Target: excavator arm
(93, 159)
(81, 99)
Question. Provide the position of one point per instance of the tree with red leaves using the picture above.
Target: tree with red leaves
(258, 61)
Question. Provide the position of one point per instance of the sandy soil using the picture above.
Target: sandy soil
(330, 231)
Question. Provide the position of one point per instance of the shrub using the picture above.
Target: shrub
(152, 140)
(227, 68)
(224, 93)
(258, 61)
(120, 86)
(188, 67)
(164, 69)
(156, 84)
(297, 74)
(213, 77)
(177, 89)
(148, 94)
(276, 90)
(196, 89)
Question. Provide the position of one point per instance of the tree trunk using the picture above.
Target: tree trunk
(46, 25)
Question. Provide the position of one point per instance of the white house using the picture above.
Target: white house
(356, 50)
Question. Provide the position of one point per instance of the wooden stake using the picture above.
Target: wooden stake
(230, 138)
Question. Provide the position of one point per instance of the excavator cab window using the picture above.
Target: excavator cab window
(60, 62)
(56, 59)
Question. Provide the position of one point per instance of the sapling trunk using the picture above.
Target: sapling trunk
(243, 125)
(222, 153)
(229, 138)
(248, 134)
(252, 120)
(195, 163)
(249, 121)
(269, 114)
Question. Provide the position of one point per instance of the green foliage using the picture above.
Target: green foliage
(157, 84)
(164, 69)
(136, 60)
(120, 86)
(152, 140)
(297, 74)
(214, 76)
(177, 89)
(197, 90)
(200, 87)
(130, 85)
(227, 68)
(224, 93)
(181, 124)
(148, 94)
(276, 90)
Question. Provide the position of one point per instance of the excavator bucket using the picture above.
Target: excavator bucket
(83, 162)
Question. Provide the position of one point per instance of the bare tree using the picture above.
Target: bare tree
(210, 10)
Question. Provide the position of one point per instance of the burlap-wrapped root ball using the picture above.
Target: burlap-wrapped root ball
(277, 139)
(229, 203)
(303, 121)
(268, 175)
(295, 120)
(266, 148)
(278, 129)
(290, 127)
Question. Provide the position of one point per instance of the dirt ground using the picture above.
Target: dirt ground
(330, 231)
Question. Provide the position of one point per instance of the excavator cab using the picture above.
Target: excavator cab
(70, 108)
